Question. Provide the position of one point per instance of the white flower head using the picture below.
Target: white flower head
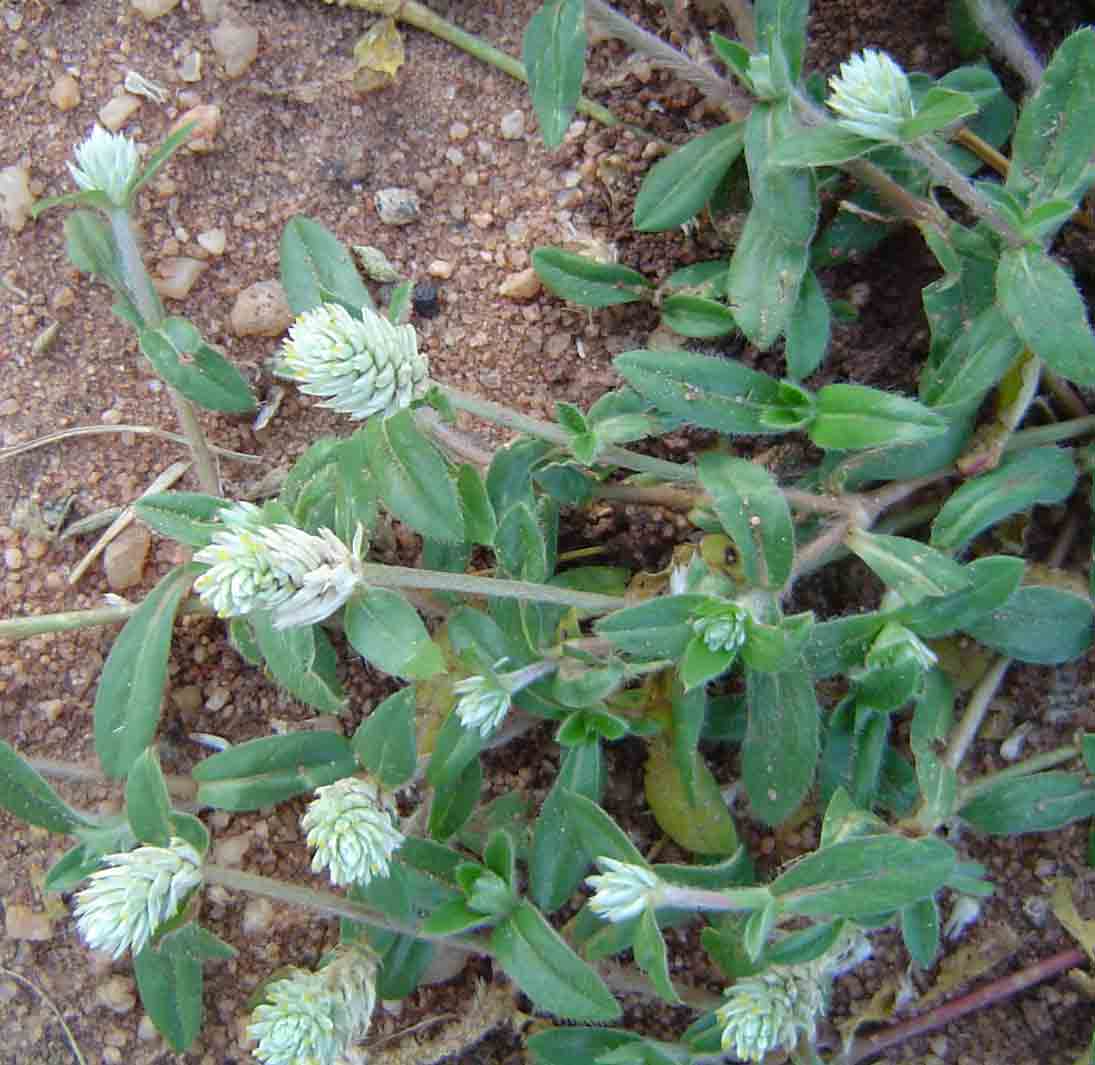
(351, 826)
(485, 699)
(361, 366)
(127, 902)
(106, 162)
(771, 1011)
(872, 96)
(313, 1018)
(623, 890)
(300, 577)
(721, 625)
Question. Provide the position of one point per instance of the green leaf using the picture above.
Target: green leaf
(1045, 308)
(131, 685)
(697, 316)
(828, 145)
(696, 817)
(974, 362)
(778, 647)
(159, 157)
(931, 723)
(586, 281)
(188, 517)
(569, 1046)
(851, 417)
(271, 769)
(912, 569)
(652, 958)
(556, 980)
(385, 741)
(454, 799)
(805, 945)
(554, 53)
(301, 660)
(808, 329)
(689, 710)
(93, 251)
(316, 267)
(754, 513)
(1054, 140)
(678, 187)
(147, 802)
(783, 23)
(1042, 802)
(25, 793)
(480, 523)
(773, 253)
(701, 664)
(1038, 624)
(1044, 475)
(412, 478)
(938, 108)
(521, 545)
(600, 835)
(920, 931)
(191, 366)
(709, 392)
(658, 628)
(386, 630)
(169, 979)
(864, 877)
(839, 645)
(781, 742)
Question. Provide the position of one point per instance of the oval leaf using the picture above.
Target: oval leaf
(387, 631)
(316, 267)
(1038, 624)
(851, 417)
(585, 281)
(554, 53)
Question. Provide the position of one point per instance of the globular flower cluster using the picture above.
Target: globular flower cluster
(771, 1011)
(485, 698)
(351, 825)
(127, 902)
(721, 625)
(623, 890)
(107, 163)
(253, 565)
(314, 1018)
(872, 96)
(361, 366)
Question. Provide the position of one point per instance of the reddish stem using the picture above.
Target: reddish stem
(989, 995)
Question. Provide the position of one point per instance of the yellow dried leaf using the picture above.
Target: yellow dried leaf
(971, 962)
(378, 56)
(1064, 909)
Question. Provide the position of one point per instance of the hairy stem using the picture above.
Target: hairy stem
(139, 286)
(555, 434)
(998, 24)
(70, 620)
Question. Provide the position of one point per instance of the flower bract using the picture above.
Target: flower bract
(484, 700)
(361, 366)
(300, 577)
(771, 1011)
(127, 902)
(352, 828)
(871, 94)
(107, 163)
(312, 1018)
(721, 625)
(622, 891)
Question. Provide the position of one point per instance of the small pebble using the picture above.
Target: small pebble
(21, 922)
(146, 1030)
(230, 851)
(190, 70)
(207, 119)
(125, 557)
(522, 286)
(258, 915)
(482, 219)
(236, 43)
(13, 558)
(16, 198)
(262, 310)
(440, 268)
(426, 300)
(217, 699)
(65, 93)
(151, 9)
(397, 207)
(213, 241)
(512, 126)
(459, 131)
(187, 699)
(178, 275)
(117, 994)
(118, 110)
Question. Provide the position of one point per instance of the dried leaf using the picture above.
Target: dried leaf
(378, 56)
(971, 962)
(1064, 909)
